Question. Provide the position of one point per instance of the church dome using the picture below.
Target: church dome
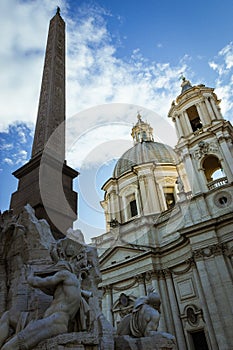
(144, 152)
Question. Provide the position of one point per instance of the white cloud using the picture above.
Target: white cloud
(95, 74)
(23, 37)
(22, 133)
(223, 66)
(6, 146)
(8, 161)
(227, 53)
(21, 157)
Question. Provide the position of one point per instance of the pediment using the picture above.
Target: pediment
(119, 254)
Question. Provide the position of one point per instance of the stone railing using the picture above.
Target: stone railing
(217, 183)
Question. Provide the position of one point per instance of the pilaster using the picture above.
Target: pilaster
(206, 313)
(175, 312)
(108, 303)
(168, 320)
(214, 295)
(141, 284)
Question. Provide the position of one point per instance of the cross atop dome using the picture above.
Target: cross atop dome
(139, 117)
(142, 131)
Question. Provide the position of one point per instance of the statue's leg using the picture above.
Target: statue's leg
(4, 327)
(37, 331)
(152, 325)
(124, 326)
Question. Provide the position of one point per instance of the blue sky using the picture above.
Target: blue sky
(122, 56)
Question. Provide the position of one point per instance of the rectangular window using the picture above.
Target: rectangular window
(169, 196)
(133, 208)
(199, 340)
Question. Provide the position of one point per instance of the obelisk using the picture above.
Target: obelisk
(51, 111)
(46, 182)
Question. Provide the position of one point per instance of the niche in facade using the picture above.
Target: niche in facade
(194, 118)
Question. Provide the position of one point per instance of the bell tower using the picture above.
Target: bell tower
(46, 181)
(204, 137)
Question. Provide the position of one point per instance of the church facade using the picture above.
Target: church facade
(169, 224)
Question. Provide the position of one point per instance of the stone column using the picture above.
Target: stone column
(114, 206)
(207, 277)
(142, 189)
(204, 109)
(141, 284)
(108, 300)
(138, 202)
(187, 122)
(204, 118)
(205, 310)
(124, 209)
(119, 202)
(162, 199)
(153, 196)
(221, 297)
(217, 112)
(155, 285)
(209, 108)
(191, 172)
(229, 260)
(178, 126)
(175, 312)
(168, 320)
(110, 207)
(227, 157)
(224, 276)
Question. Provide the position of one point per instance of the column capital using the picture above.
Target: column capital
(107, 289)
(142, 178)
(209, 251)
(167, 273)
(153, 274)
(140, 278)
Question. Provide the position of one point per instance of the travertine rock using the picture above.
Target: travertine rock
(155, 342)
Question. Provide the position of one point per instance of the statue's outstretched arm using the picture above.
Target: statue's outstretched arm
(38, 282)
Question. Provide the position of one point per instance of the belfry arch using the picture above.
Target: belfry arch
(212, 168)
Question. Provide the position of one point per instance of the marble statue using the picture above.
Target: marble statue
(50, 297)
(49, 289)
(65, 287)
(144, 319)
(180, 184)
(138, 330)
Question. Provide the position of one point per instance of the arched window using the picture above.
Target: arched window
(194, 118)
(212, 168)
